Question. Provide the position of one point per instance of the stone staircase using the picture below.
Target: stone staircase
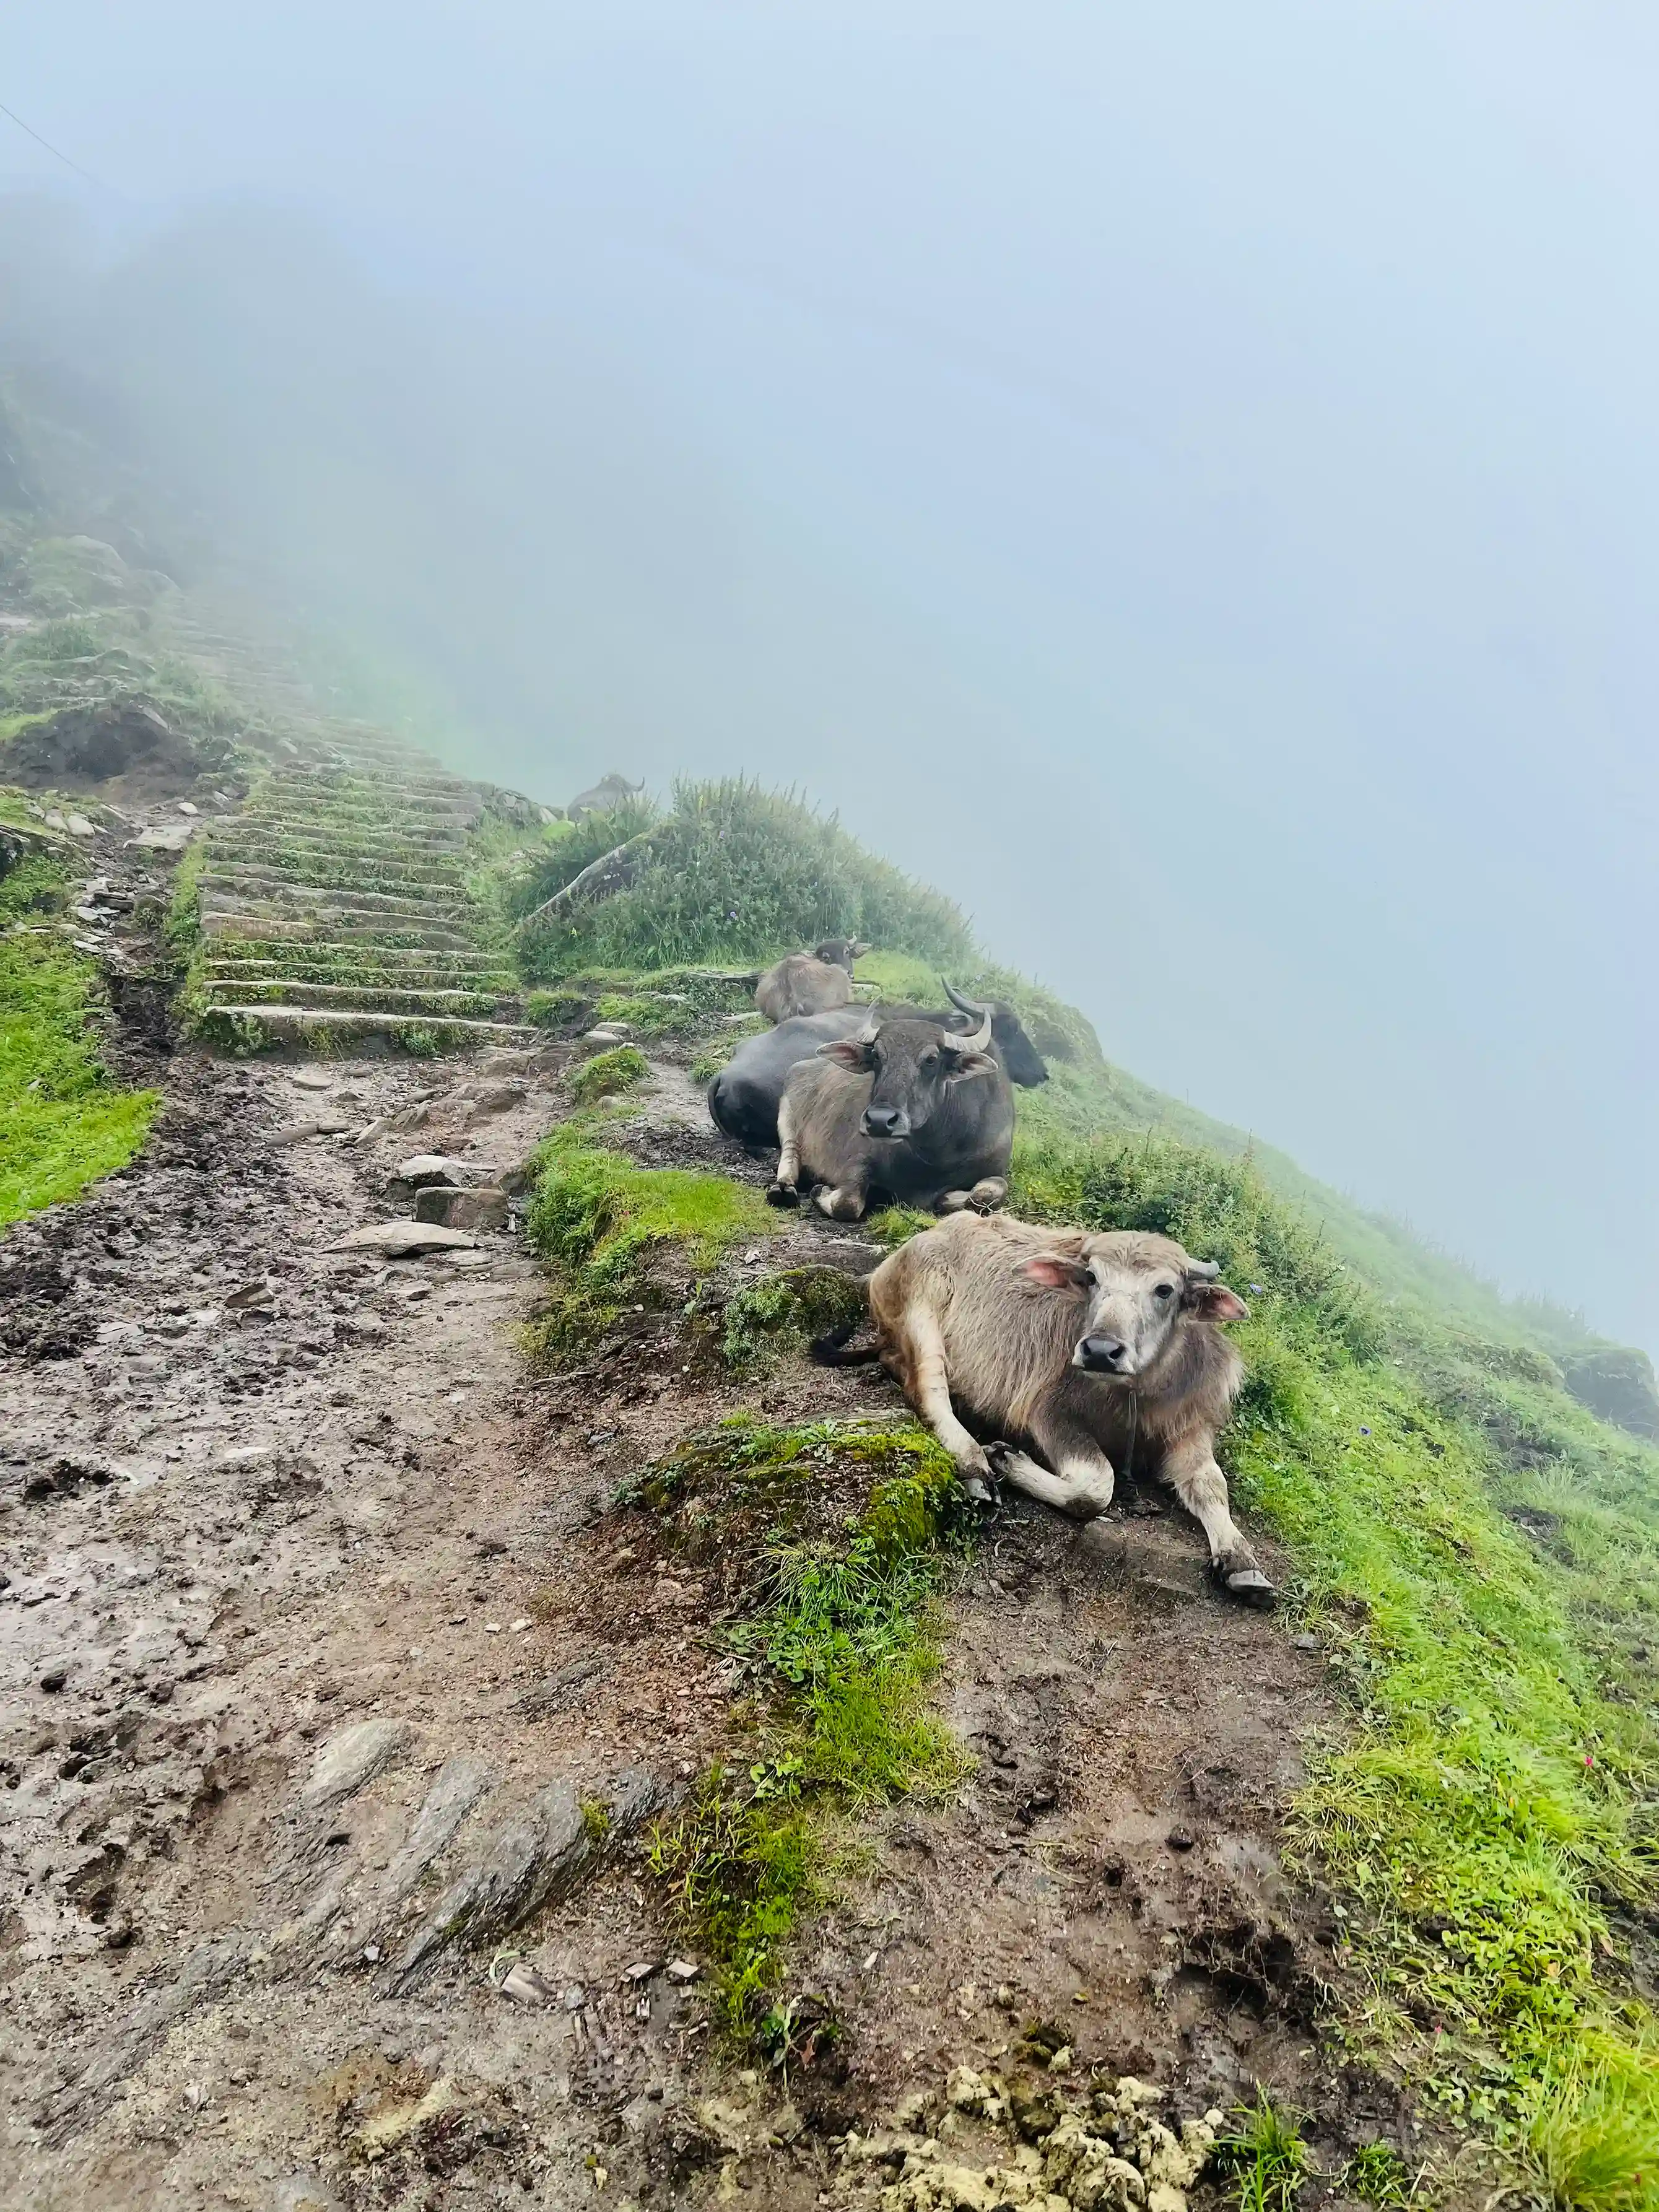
(335, 906)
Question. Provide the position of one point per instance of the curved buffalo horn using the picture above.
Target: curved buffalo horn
(1203, 1271)
(967, 1005)
(978, 1041)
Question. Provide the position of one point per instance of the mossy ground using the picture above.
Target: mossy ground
(594, 1216)
(830, 1618)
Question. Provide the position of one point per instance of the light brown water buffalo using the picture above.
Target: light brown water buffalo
(810, 983)
(1083, 1351)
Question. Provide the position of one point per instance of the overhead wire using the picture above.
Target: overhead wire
(57, 152)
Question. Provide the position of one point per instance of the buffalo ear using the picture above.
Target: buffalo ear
(1215, 1302)
(846, 1051)
(1056, 1272)
(961, 1063)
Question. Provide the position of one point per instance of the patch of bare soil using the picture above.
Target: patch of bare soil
(324, 1645)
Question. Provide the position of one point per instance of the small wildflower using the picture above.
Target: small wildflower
(1257, 1288)
(1364, 1433)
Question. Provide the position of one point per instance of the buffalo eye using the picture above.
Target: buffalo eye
(1163, 1291)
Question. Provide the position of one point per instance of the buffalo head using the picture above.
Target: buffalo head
(1024, 1063)
(840, 952)
(1132, 1290)
(912, 1066)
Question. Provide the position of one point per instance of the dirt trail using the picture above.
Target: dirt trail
(324, 1642)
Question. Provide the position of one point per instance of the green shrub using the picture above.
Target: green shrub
(737, 873)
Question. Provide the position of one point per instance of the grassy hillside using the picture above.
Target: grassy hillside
(1479, 1554)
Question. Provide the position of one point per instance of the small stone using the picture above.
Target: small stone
(641, 1970)
(683, 1969)
(518, 1627)
(1304, 1643)
(78, 826)
(54, 1679)
(525, 1985)
(186, 806)
(312, 1079)
(462, 1209)
(1179, 1840)
(398, 1237)
(505, 1095)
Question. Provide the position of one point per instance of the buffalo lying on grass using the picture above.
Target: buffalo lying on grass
(1091, 1353)
(906, 1108)
(745, 1096)
(810, 983)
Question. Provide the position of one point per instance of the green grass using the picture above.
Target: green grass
(782, 1313)
(608, 1074)
(1488, 1809)
(732, 874)
(595, 1216)
(1266, 2156)
(62, 1123)
(840, 1642)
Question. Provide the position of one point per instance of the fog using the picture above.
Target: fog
(1183, 479)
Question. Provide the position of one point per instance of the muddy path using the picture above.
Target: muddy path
(340, 1690)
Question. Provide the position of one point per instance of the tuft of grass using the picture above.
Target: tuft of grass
(1378, 2175)
(1266, 2155)
(841, 1641)
(608, 1074)
(1592, 2139)
(63, 1122)
(594, 1216)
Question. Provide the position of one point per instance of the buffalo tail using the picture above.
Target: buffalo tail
(829, 1350)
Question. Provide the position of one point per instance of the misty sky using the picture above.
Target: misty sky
(1182, 479)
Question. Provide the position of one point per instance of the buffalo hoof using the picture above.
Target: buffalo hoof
(782, 1194)
(1250, 1587)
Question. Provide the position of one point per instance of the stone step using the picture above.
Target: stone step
(414, 864)
(413, 965)
(294, 1021)
(327, 926)
(265, 885)
(295, 825)
(373, 997)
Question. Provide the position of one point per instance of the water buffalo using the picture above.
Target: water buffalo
(743, 1097)
(1090, 1352)
(810, 983)
(907, 1107)
(604, 797)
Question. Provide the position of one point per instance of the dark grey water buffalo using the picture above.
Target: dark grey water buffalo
(604, 797)
(810, 983)
(1087, 1351)
(745, 1096)
(905, 1107)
